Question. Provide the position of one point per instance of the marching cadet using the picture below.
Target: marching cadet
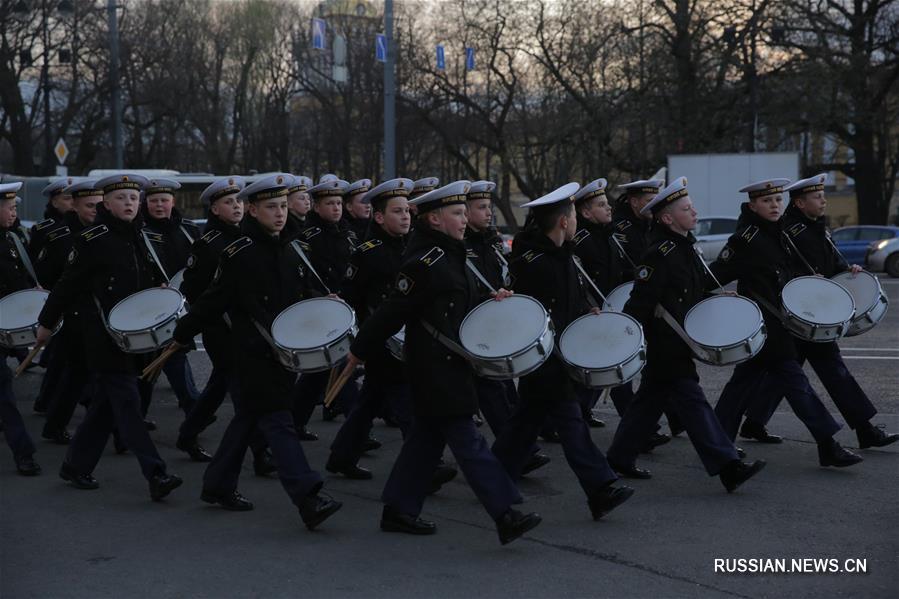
(434, 291)
(759, 256)
(172, 236)
(543, 268)
(671, 278)
(298, 202)
(331, 242)
(357, 212)
(51, 262)
(108, 262)
(13, 277)
(223, 216)
(419, 188)
(369, 280)
(484, 250)
(327, 177)
(257, 278)
(632, 231)
(52, 228)
(803, 223)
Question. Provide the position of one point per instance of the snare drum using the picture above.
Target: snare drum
(144, 321)
(603, 350)
(507, 339)
(616, 299)
(730, 328)
(396, 343)
(314, 334)
(871, 302)
(817, 309)
(18, 317)
(175, 282)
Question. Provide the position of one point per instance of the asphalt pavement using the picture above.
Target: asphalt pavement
(56, 541)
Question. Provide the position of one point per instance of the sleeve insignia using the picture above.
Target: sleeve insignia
(432, 256)
(749, 233)
(404, 283)
(191, 261)
(94, 232)
(621, 237)
(44, 224)
(210, 236)
(368, 245)
(351, 271)
(643, 273)
(58, 234)
(623, 225)
(530, 255)
(153, 236)
(236, 246)
(311, 232)
(795, 229)
(72, 256)
(726, 253)
(580, 236)
(470, 253)
(666, 247)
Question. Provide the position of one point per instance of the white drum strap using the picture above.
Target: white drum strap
(504, 265)
(767, 306)
(186, 234)
(811, 270)
(265, 334)
(296, 247)
(444, 340)
(152, 251)
(478, 274)
(623, 253)
(101, 314)
(23, 255)
(580, 267)
(694, 347)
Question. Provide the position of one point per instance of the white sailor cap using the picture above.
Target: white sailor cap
(124, 181)
(8, 191)
(560, 194)
(394, 188)
(481, 190)
(155, 186)
(360, 186)
(266, 188)
(83, 188)
(222, 187)
(809, 185)
(300, 183)
(331, 187)
(764, 188)
(643, 186)
(327, 177)
(675, 191)
(593, 189)
(58, 187)
(454, 193)
(425, 185)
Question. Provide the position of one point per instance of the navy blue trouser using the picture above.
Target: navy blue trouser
(685, 399)
(422, 450)
(17, 436)
(348, 445)
(784, 378)
(181, 378)
(53, 359)
(514, 446)
(309, 391)
(74, 382)
(297, 477)
(116, 404)
(842, 387)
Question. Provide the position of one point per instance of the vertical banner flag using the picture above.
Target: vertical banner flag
(381, 47)
(318, 34)
(469, 59)
(441, 58)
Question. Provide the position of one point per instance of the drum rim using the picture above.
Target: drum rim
(44, 292)
(311, 348)
(642, 346)
(731, 345)
(612, 292)
(150, 328)
(793, 316)
(516, 353)
(859, 313)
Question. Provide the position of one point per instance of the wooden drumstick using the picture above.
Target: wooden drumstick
(338, 384)
(331, 376)
(153, 368)
(37, 347)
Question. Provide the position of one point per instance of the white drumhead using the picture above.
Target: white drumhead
(864, 288)
(312, 323)
(21, 309)
(601, 340)
(175, 282)
(145, 309)
(496, 329)
(616, 299)
(722, 321)
(818, 300)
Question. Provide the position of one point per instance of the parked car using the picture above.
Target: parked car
(883, 255)
(712, 232)
(853, 242)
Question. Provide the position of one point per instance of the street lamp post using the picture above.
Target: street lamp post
(389, 95)
(116, 107)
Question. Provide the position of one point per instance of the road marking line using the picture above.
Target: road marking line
(871, 357)
(870, 348)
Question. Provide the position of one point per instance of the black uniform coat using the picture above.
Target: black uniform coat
(13, 276)
(433, 285)
(170, 238)
(258, 276)
(633, 233)
(484, 251)
(759, 256)
(332, 245)
(600, 256)
(54, 220)
(109, 261)
(671, 274)
(546, 272)
(359, 226)
(811, 238)
(370, 279)
(51, 259)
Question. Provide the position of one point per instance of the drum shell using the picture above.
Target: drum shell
(734, 353)
(867, 319)
(812, 331)
(608, 376)
(26, 336)
(319, 358)
(150, 339)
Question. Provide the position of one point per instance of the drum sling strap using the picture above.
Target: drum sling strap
(478, 274)
(661, 312)
(296, 247)
(767, 306)
(444, 340)
(154, 255)
(23, 255)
